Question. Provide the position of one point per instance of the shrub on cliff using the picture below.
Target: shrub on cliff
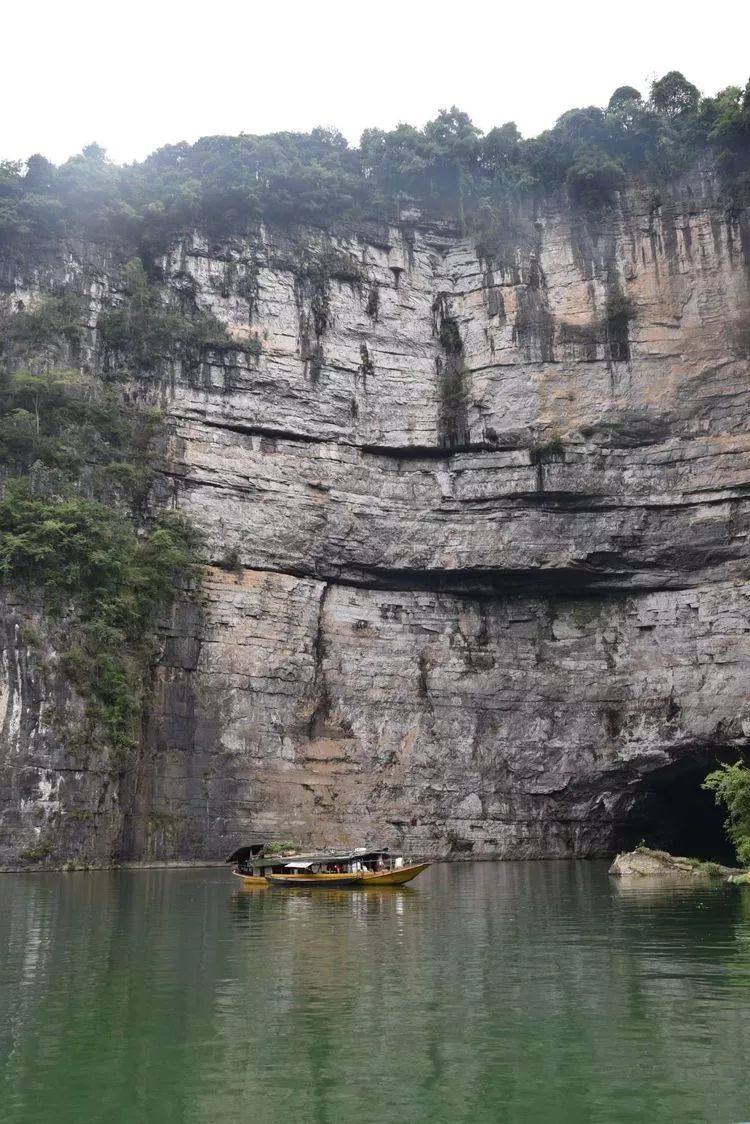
(76, 425)
(145, 330)
(79, 460)
(106, 582)
(730, 785)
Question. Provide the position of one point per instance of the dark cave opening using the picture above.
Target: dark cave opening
(671, 812)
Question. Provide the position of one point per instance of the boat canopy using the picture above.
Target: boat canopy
(298, 866)
(253, 856)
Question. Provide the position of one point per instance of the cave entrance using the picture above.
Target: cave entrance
(671, 812)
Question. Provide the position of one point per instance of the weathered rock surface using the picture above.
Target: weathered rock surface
(493, 551)
(658, 864)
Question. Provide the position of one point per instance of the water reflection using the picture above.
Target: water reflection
(514, 992)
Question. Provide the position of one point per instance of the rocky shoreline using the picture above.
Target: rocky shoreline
(646, 863)
(80, 867)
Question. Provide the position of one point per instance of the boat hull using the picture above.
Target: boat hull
(306, 880)
(394, 877)
(348, 881)
(251, 879)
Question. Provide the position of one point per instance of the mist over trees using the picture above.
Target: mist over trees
(223, 184)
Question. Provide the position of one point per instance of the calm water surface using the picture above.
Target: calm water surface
(496, 992)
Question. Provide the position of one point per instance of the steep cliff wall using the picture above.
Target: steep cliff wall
(478, 533)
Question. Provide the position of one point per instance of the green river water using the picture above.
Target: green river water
(495, 992)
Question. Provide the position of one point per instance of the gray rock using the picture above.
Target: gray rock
(472, 619)
(658, 864)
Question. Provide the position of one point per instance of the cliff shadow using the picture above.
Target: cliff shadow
(671, 812)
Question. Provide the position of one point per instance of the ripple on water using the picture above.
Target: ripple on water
(497, 991)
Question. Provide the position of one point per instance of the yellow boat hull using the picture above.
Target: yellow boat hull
(396, 877)
(251, 879)
(351, 880)
(393, 877)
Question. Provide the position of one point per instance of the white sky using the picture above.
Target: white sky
(135, 74)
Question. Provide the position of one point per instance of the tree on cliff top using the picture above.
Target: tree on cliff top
(673, 95)
(622, 96)
(224, 185)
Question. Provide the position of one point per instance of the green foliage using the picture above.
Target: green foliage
(67, 422)
(78, 462)
(226, 184)
(730, 785)
(711, 870)
(643, 849)
(145, 329)
(159, 820)
(674, 96)
(726, 119)
(49, 331)
(623, 97)
(594, 180)
(550, 450)
(280, 847)
(232, 562)
(38, 853)
(30, 637)
(107, 582)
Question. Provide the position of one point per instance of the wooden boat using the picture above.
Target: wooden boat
(361, 868)
(252, 863)
(333, 881)
(361, 879)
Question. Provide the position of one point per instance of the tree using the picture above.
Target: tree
(43, 390)
(674, 96)
(501, 148)
(40, 174)
(454, 134)
(331, 138)
(584, 128)
(724, 114)
(626, 109)
(11, 183)
(454, 140)
(594, 180)
(94, 151)
(139, 289)
(730, 785)
(623, 96)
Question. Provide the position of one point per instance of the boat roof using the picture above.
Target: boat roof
(253, 856)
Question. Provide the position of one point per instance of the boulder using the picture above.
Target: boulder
(646, 863)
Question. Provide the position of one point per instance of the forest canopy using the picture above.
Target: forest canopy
(223, 184)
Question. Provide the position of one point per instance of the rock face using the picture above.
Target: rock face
(478, 533)
(659, 864)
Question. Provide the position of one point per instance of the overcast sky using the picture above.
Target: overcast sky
(137, 74)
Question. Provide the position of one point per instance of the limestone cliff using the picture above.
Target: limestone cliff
(478, 533)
